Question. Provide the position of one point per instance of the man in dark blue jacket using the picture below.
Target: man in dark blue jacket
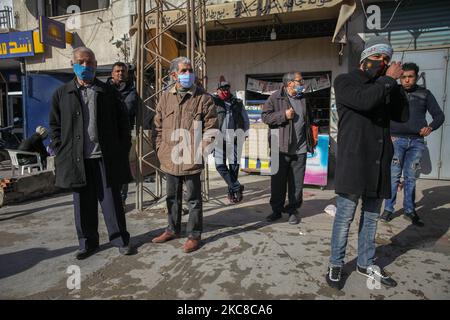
(409, 143)
(232, 116)
(120, 80)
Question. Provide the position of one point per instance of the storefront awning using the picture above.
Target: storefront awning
(252, 11)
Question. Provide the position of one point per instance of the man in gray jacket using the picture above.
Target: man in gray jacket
(287, 111)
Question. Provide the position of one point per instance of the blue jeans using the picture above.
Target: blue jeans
(346, 207)
(228, 173)
(407, 155)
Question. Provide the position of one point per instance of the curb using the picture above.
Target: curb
(15, 190)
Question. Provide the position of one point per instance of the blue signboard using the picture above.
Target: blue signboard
(38, 91)
(16, 44)
(52, 32)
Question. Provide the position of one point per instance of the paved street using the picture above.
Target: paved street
(242, 256)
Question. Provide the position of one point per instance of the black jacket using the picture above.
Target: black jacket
(237, 108)
(364, 148)
(130, 98)
(420, 100)
(274, 114)
(34, 144)
(66, 132)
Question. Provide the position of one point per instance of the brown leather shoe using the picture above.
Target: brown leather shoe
(165, 236)
(191, 244)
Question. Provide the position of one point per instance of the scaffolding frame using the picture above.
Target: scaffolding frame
(193, 12)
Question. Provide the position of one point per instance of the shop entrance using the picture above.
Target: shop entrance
(260, 86)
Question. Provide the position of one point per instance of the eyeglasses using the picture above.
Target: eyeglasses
(301, 81)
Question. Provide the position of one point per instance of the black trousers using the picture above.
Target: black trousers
(86, 200)
(124, 189)
(290, 175)
(174, 199)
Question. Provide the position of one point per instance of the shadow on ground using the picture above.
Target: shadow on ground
(20, 261)
(437, 223)
(33, 210)
(240, 218)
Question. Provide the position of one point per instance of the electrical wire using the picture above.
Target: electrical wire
(389, 22)
(403, 54)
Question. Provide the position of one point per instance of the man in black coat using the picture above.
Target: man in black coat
(367, 99)
(90, 134)
(120, 80)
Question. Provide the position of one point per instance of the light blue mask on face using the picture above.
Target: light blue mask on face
(83, 73)
(186, 80)
(299, 91)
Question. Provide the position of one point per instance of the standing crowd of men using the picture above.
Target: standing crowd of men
(381, 133)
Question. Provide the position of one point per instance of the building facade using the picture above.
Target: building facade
(252, 43)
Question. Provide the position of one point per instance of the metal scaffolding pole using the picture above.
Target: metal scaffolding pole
(150, 40)
(140, 111)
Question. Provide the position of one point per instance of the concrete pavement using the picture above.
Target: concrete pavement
(242, 256)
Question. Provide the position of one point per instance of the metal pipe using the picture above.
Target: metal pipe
(188, 29)
(144, 47)
(139, 119)
(203, 22)
(41, 9)
(158, 79)
(2, 121)
(192, 20)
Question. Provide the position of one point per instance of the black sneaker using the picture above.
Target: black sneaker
(273, 217)
(377, 274)
(231, 198)
(386, 216)
(85, 253)
(414, 218)
(334, 277)
(239, 195)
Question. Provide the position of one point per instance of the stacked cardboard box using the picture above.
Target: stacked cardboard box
(256, 149)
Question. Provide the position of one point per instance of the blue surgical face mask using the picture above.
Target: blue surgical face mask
(186, 80)
(83, 73)
(299, 91)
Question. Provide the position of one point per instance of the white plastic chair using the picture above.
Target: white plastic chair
(15, 161)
